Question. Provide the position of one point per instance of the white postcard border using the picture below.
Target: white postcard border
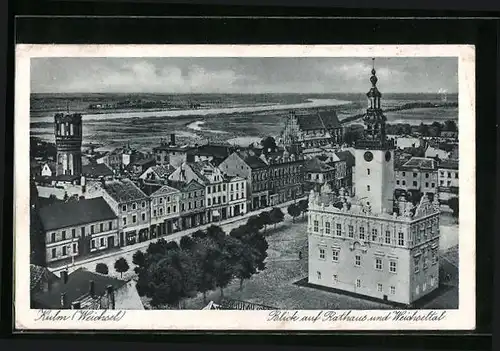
(462, 318)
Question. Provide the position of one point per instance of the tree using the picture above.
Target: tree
(450, 126)
(139, 259)
(294, 211)
(265, 219)
(101, 268)
(186, 243)
(164, 283)
(268, 144)
(199, 234)
(255, 222)
(453, 204)
(216, 233)
(277, 216)
(304, 205)
(121, 266)
(423, 129)
(438, 127)
(205, 253)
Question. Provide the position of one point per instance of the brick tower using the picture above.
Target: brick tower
(68, 132)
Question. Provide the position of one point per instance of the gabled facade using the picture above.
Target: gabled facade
(165, 211)
(192, 204)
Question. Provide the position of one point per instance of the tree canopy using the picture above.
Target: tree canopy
(121, 266)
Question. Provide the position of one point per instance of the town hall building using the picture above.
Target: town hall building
(369, 243)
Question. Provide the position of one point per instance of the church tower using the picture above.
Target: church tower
(374, 154)
(68, 132)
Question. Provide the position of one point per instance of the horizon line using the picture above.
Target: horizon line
(239, 93)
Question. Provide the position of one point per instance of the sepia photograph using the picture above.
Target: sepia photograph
(240, 187)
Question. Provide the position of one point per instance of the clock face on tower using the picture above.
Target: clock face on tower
(368, 156)
(388, 156)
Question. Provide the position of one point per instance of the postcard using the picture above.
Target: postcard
(244, 187)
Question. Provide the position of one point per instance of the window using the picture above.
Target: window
(182, 207)
(335, 278)
(208, 190)
(417, 265)
(374, 234)
(110, 225)
(223, 187)
(397, 182)
(134, 218)
(362, 233)
(404, 173)
(387, 236)
(442, 173)
(414, 175)
(160, 200)
(318, 273)
(189, 205)
(223, 199)
(448, 182)
(101, 227)
(218, 199)
(456, 175)
(357, 261)
(379, 287)
(316, 226)
(368, 171)
(426, 184)
(392, 266)
(195, 194)
(441, 182)
(64, 250)
(134, 205)
(74, 249)
(102, 242)
(232, 197)
(143, 216)
(322, 254)
(168, 209)
(143, 204)
(154, 213)
(175, 207)
(378, 264)
(426, 175)
(92, 244)
(401, 239)
(403, 182)
(124, 220)
(368, 187)
(63, 235)
(339, 229)
(209, 202)
(327, 227)
(393, 290)
(124, 207)
(449, 174)
(92, 229)
(335, 255)
(415, 183)
(433, 185)
(351, 231)
(218, 188)
(358, 283)
(168, 198)
(82, 230)
(73, 233)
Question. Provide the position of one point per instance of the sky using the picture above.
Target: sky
(242, 75)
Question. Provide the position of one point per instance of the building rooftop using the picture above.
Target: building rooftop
(252, 160)
(449, 164)
(346, 156)
(76, 287)
(420, 163)
(142, 162)
(124, 190)
(165, 190)
(317, 166)
(320, 120)
(36, 275)
(97, 170)
(163, 171)
(73, 213)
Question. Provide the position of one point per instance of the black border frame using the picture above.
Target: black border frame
(481, 32)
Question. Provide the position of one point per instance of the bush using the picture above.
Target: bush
(102, 268)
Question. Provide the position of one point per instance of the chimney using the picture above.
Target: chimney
(172, 138)
(91, 288)
(63, 300)
(64, 276)
(111, 297)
